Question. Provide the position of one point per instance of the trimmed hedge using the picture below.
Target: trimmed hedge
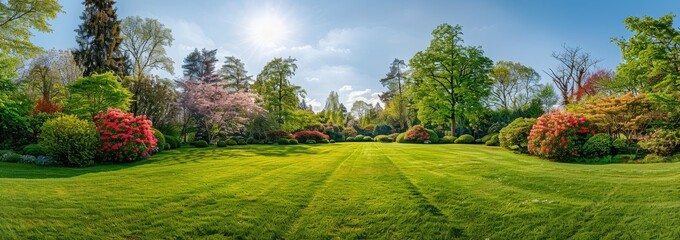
(447, 139)
(231, 142)
(283, 141)
(516, 133)
(434, 138)
(70, 141)
(200, 144)
(493, 141)
(465, 139)
(34, 150)
(310, 141)
(222, 144)
(160, 139)
(241, 141)
(293, 141)
(598, 145)
(325, 141)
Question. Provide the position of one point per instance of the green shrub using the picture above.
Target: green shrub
(382, 138)
(434, 138)
(27, 159)
(493, 141)
(70, 141)
(368, 139)
(400, 138)
(310, 141)
(10, 157)
(167, 146)
(488, 137)
(478, 140)
(251, 140)
(160, 139)
(283, 141)
(231, 142)
(332, 141)
(662, 142)
(200, 144)
(241, 141)
(222, 144)
(465, 139)
(349, 139)
(447, 139)
(516, 133)
(325, 141)
(597, 146)
(34, 150)
(293, 142)
(623, 158)
(173, 141)
(359, 138)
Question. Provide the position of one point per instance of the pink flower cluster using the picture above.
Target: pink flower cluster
(303, 136)
(559, 136)
(124, 138)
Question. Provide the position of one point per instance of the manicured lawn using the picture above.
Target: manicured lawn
(345, 190)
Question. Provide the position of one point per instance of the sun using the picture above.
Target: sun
(268, 29)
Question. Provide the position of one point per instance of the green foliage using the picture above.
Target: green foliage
(359, 137)
(284, 141)
(447, 139)
(623, 158)
(279, 94)
(368, 139)
(221, 143)
(232, 142)
(89, 95)
(241, 141)
(662, 142)
(598, 145)
(493, 141)
(382, 138)
(349, 139)
(465, 139)
(310, 141)
(452, 78)
(19, 19)
(200, 144)
(160, 139)
(145, 41)
(34, 150)
(434, 138)
(293, 141)
(324, 141)
(10, 157)
(173, 141)
(99, 40)
(251, 140)
(70, 141)
(516, 133)
(332, 141)
(400, 138)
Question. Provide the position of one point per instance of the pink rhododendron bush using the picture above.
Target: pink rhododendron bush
(559, 136)
(124, 137)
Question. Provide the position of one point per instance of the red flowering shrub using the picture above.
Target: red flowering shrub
(417, 134)
(559, 136)
(303, 136)
(124, 138)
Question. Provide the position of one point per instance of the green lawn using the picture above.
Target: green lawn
(344, 190)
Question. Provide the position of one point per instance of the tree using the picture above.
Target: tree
(144, 40)
(200, 65)
(332, 111)
(99, 39)
(571, 72)
(651, 55)
(513, 84)
(452, 78)
(363, 111)
(218, 110)
(394, 81)
(89, 95)
(615, 115)
(154, 97)
(546, 94)
(48, 75)
(593, 84)
(273, 84)
(234, 73)
(18, 18)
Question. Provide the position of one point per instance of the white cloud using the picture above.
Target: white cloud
(366, 95)
(345, 88)
(312, 79)
(316, 105)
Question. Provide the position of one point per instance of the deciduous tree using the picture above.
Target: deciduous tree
(18, 18)
(145, 40)
(279, 94)
(569, 75)
(95, 93)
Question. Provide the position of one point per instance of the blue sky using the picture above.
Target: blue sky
(347, 46)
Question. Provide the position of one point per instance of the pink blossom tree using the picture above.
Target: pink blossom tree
(217, 109)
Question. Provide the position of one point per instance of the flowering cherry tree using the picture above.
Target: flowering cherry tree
(124, 137)
(218, 110)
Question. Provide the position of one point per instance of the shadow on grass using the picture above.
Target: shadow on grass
(167, 158)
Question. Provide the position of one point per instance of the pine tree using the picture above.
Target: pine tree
(99, 40)
(234, 74)
(200, 65)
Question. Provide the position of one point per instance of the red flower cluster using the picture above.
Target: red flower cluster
(559, 136)
(124, 138)
(417, 134)
(303, 136)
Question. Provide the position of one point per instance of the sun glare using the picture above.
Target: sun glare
(268, 30)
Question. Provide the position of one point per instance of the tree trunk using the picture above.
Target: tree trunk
(453, 123)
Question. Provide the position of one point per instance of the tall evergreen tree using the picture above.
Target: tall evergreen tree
(332, 109)
(200, 65)
(279, 94)
(99, 40)
(234, 73)
(394, 81)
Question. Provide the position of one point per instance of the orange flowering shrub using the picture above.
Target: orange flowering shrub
(124, 138)
(559, 136)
